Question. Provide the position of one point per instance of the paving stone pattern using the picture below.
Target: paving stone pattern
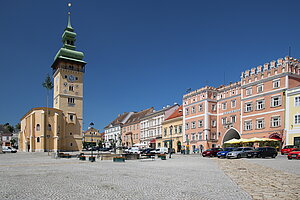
(37, 176)
(260, 181)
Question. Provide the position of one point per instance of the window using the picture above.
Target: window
(200, 123)
(233, 103)
(49, 127)
(276, 101)
(224, 106)
(297, 101)
(71, 88)
(38, 127)
(260, 123)
(193, 110)
(248, 107)
(71, 144)
(193, 136)
(187, 111)
(275, 121)
(71, 101)
(176, 129)
(248, 125)
(260, 88)
(224, 120)
(38, 139)
(214, 123)
(260, 104)
(297, 119)
(71, 117)
(200, 108)
(186, 137)
(165, 131)
(193, 125)
(180, 129)
(72, 133)
(187, 126)
(233, 119)
(248, 91)
(200, 135)
(213, 107)
(276, 83)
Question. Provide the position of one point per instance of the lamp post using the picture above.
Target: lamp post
(170, 144)
(92, 157)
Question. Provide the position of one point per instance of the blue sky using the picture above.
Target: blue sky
(140, 53)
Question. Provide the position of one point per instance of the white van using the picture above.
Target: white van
(133, 150)
(160, 150)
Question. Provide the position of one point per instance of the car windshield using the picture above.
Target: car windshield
(288, 147)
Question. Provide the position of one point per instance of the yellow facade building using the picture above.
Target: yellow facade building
(172, 131)
(59, 128)
(93, 135)
(293, 116)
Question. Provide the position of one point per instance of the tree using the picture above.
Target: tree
(48, 85)
(18, 126)
(9, 127)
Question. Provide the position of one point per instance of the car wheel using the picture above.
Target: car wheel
(239, 156)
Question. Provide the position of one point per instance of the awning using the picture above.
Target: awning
(153, 141)
(167, 141)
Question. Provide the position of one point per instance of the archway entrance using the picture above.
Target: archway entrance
(230, 134)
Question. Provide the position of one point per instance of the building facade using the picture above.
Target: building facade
(151, 125)
(172, 131)
(131, 129)
(252, 107)
(93, 135)
(292, 118)
(113, 131)
(59, 128)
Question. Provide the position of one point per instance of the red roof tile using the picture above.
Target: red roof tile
(176, 113)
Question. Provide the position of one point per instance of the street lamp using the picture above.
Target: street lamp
(170, 144)
(92, 157)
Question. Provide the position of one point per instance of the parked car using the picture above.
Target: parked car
(211, 152)
(6, 149)
(132, 150)
(146, 151)
(104, 149)
(294, 155)
(288, 148)
(262, 152)
(160, 150)
(222, 154)
(241, 152)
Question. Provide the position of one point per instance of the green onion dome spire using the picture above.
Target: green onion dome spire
(68, 39)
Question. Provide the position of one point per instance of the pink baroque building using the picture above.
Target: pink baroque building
(252, 107)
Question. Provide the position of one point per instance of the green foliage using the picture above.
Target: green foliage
(18, 126)
(48, 83)
(9, 127)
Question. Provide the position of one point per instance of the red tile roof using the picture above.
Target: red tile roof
(176, 113)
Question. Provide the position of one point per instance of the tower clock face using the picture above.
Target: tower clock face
(71, 78)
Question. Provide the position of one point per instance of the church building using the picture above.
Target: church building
(59, 128)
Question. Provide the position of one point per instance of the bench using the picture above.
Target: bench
(147, 156)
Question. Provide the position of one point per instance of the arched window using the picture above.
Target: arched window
(49, 127)
(38, 139)
(71, 144)
(38, 127)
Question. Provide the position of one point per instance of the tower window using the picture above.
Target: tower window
(71, 117)
(49, 127)
(71, 88)
(71, 101)
(71, 144)
(38, 127)
(38, 139)
(71, 134)
(66, 76)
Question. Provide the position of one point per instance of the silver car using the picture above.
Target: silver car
(240, 152)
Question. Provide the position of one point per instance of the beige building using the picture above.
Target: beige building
(172, 131)
(93, 135)
(292, 118)
(59, 128)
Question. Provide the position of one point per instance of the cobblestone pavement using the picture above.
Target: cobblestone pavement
(280, 163)
(37, 176)
(260, 181)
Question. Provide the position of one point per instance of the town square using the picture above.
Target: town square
(150, 100)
